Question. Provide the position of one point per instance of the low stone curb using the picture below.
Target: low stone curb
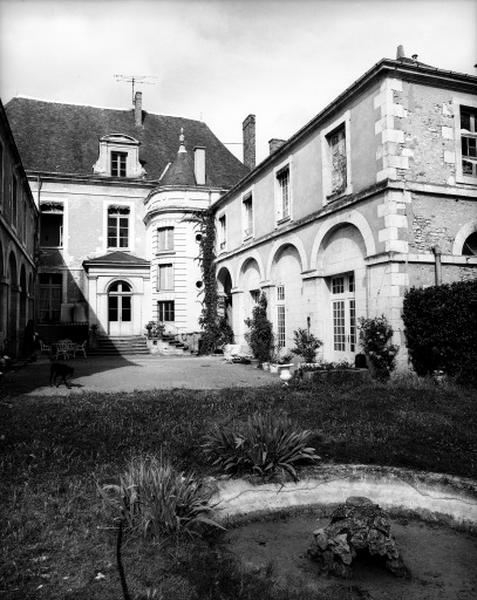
(429, 496)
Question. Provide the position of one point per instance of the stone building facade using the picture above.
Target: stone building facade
(117, 192)
(377, 193)
(18, 244)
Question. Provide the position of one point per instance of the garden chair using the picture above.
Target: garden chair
(64, 349)
(45, 348)
(80, 348)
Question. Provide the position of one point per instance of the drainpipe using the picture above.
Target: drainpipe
(438, 264)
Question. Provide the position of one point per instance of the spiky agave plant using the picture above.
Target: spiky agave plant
(265, 445)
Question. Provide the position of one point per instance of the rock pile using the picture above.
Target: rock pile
(356, 527)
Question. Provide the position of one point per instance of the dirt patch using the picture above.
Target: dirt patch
(442, 561)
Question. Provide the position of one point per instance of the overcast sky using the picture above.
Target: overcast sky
(219, 61)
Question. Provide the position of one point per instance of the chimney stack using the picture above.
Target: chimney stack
(400, 54)
(274, 144)
(248, 129)
(138, 109)
(199, 165)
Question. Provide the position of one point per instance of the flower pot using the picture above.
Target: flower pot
(266, 366)
(284, 372)
(273, 368)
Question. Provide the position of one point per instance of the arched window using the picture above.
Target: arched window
(470, 245)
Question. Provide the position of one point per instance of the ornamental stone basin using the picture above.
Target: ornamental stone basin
(430, 496)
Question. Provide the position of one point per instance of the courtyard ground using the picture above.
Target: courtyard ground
(137, 372)
(57, 446)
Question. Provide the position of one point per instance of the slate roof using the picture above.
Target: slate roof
(117, 258)
(64, 139)
(181, 171)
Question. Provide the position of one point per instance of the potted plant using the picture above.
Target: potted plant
(284, 365)
(149, 328)
(306, 345)
(375, 338)
(260, 334)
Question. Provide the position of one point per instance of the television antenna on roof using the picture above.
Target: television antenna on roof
(133, 79)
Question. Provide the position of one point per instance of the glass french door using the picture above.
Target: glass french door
(343, 305)
(120, 308)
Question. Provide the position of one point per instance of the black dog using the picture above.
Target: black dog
(61, 371)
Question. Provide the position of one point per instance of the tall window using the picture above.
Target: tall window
(165, 239)
(337, 160)
(344, 313)
(118, 164)
(247, 216)
(165, 277)
(118, 227)
(14, 202)
(468, 130)
(50, 297)
(165, 311)
(222, 232)
(51, 225)
(281, 325)
(24, 219)
(283, 183)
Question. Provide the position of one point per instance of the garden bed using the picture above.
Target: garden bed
(56, 542)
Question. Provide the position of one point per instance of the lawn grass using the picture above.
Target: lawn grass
(55, 450)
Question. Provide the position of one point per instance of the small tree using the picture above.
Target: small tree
(375, 338)
(260, 335)
(306, 345)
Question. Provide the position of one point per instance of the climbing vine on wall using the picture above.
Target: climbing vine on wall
(209, 318)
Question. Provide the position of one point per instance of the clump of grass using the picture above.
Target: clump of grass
(154, 500)
(266, 445)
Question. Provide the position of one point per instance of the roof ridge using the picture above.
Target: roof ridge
(108, 108)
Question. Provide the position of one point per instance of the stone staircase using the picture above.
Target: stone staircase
(176, 346)
(116, 346)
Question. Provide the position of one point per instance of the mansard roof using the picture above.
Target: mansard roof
(64, 139)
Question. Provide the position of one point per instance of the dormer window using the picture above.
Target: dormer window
(118, 164)
(118, 157)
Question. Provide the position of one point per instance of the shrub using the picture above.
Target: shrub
(265, 445)
(154, 500)
(260, 334)
(375, 338)
(441, 329)
(306, 345)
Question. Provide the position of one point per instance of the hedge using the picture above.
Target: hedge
(441, 328)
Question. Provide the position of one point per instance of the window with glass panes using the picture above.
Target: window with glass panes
(165, 277)
(51, 225)
(468, 132)
(51, 285)
(118, 164)
(343, 306)
(118, 227)
(165, 311)
(14, 202)
(281, 325)
(165, 239)
(222, 232)
(248, 216)
(283, 180)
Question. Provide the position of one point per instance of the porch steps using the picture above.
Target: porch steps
(174, 344)
(115, 345)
